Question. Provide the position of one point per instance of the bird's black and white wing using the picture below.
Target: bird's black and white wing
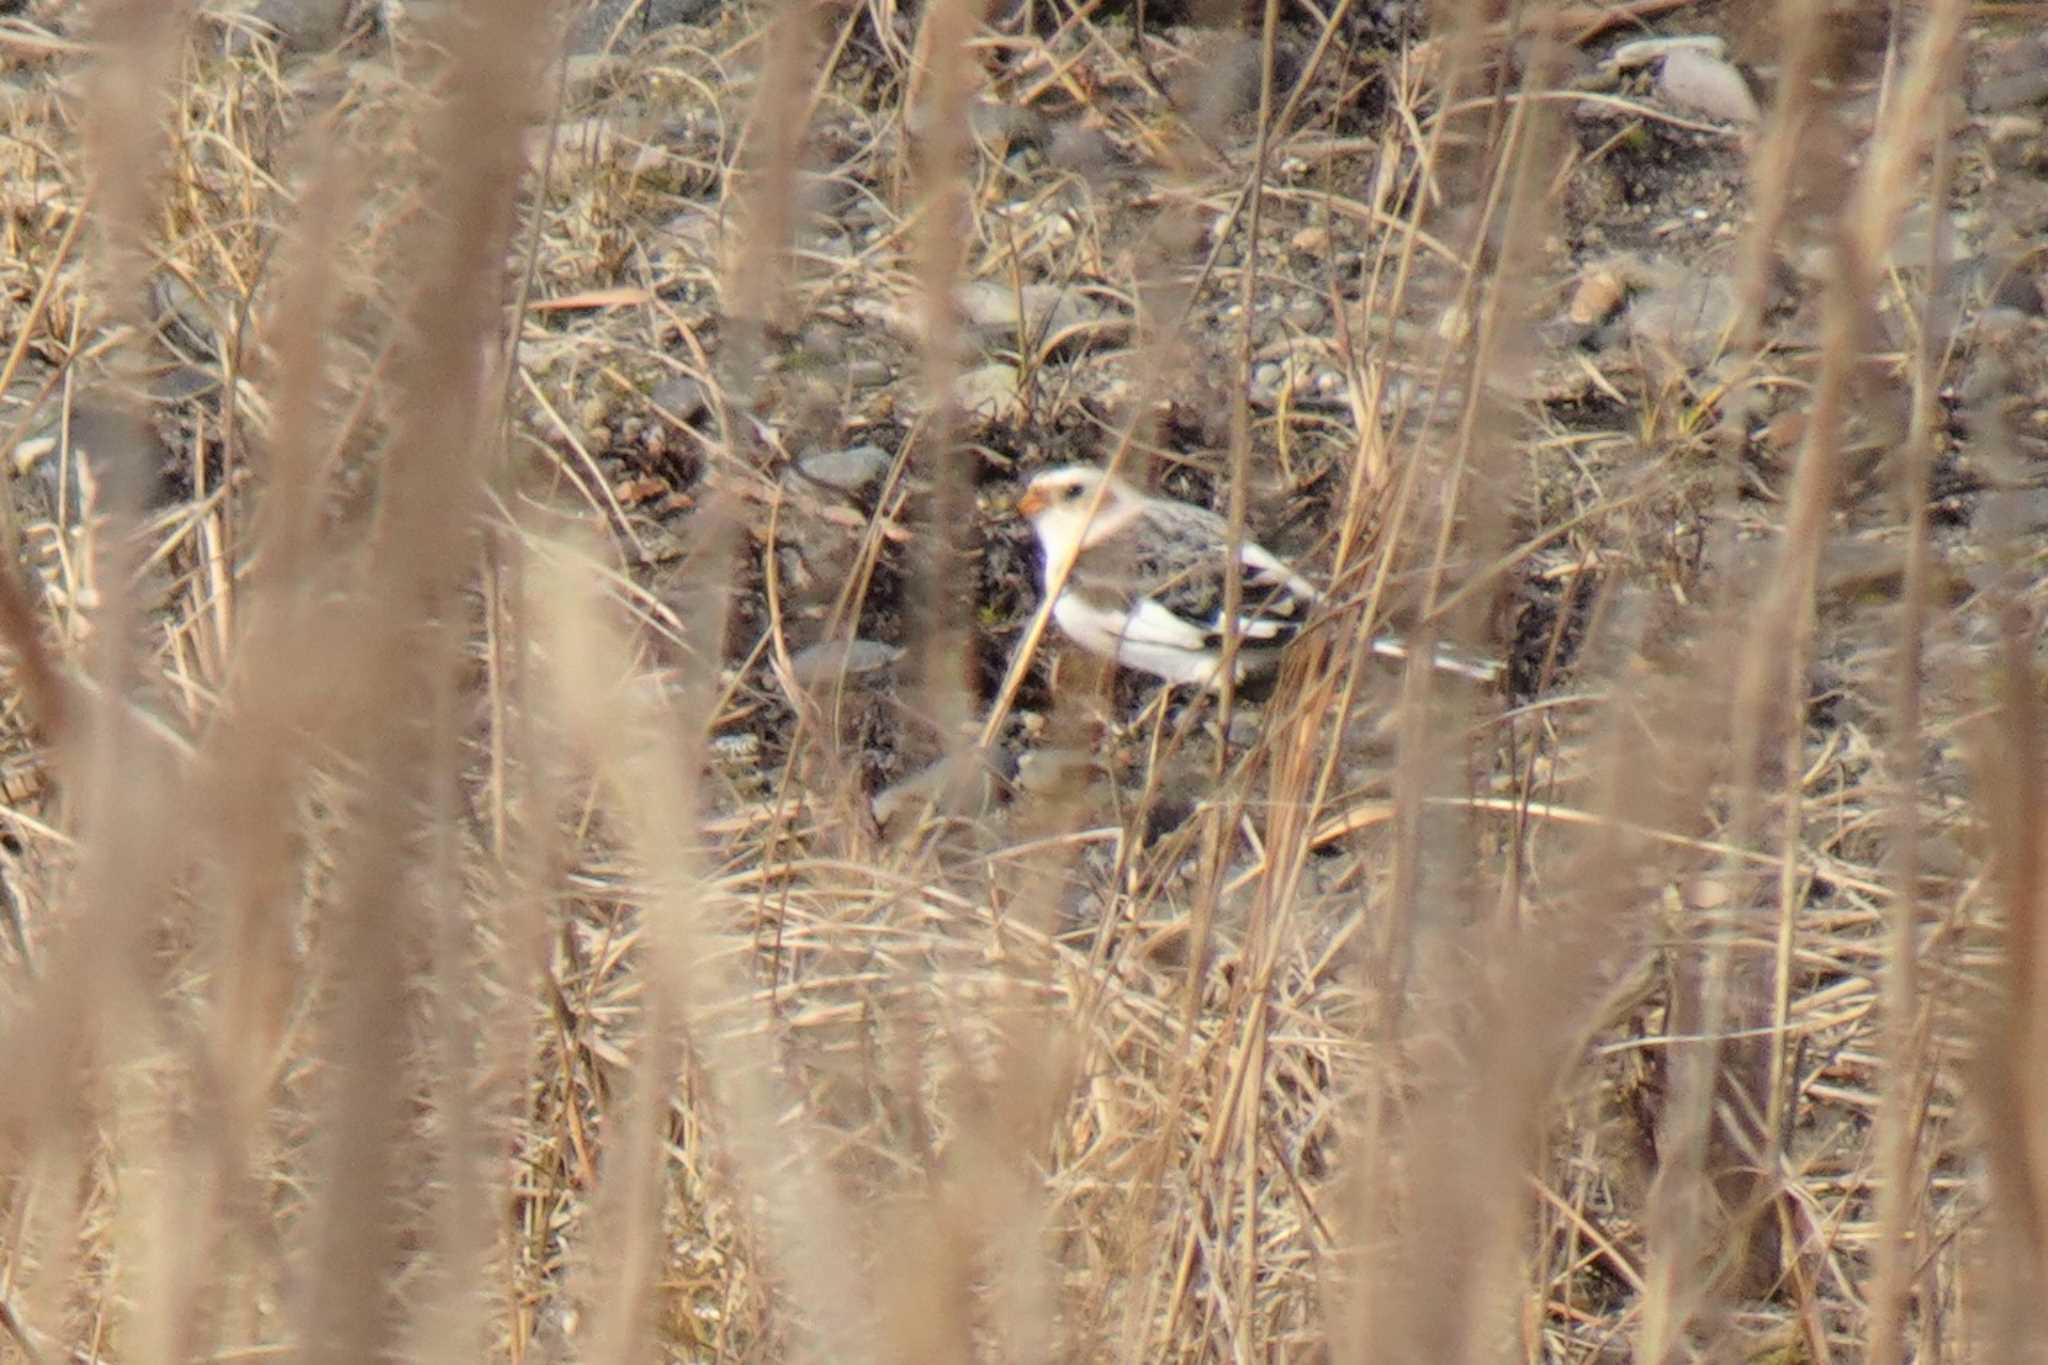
(1153, 595)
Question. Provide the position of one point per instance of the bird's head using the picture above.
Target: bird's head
(1059, 503)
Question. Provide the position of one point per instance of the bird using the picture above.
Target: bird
(1142, 581)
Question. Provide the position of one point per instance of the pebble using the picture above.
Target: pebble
(2018, 142)
(2016, 91)
(681, 397)
(990, 392)
(600, 25)
(1049, 772)
(868, 374)
(189, 321)
(181, 382)
(1642, 51)
(1914, 243)
(1306, 312)
(2001, 280)
(304, 25)
(586, 74)
(736, 750)
(1313, 241)
(1246, 725)
(829, 660)
(1600, 291)
(1044, 312)
(1084, 150)
(796, 570)
(1684, 315)
(1002, 125)
(851, 470)
(967, 783)
(1700, 81)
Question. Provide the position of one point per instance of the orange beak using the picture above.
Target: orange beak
(1032, 503)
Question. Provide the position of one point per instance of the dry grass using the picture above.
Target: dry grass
(446, 916)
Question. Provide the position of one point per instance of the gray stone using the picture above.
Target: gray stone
(1047, 315)
(1005, 125)
(181, 382)
(2018, 142)
(990, 392)
(304, 25)
(1697, 80)
(829, 660)
(740, 749)
(681, 397)
(852, 470)
(1087, 151)
(1306, 312)
(1641, 52)
(966, 784)
(605, 24)
(190, 323)
(868, 374)
(1049, 772)
(2016, 91)
(1684, 315)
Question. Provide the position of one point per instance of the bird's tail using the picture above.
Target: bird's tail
(1447, 660)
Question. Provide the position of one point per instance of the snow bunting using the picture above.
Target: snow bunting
(1145, 580)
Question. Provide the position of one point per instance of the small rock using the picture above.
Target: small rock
(2019, 90)
(852, 470)
(991, 392)
(681, 397)
(580, 144)
(968, 783)
(1914, 245)
(2018, 142)
(2000, 280)
(180, 382)
(304, 25)
(1684, 315)
(868, 374)
(1782, 435)
(1306, 312)
(634, 492)
(586, 74)
(2018, 290)
(1641, 52)
(1562, 334)
(1311, 241)
(739, 750)
(1219, 79)
(1005, 125)
(830, 660)
(796, 570)
(1083, 149)
(125, 459)
(622, 23)
(1052, 772)
(1048, 315)
(190, 323)
(695, 234)
(1600, 291)
(1246, 725)
(1697, 80)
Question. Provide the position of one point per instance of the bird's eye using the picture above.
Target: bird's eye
(1071, 492)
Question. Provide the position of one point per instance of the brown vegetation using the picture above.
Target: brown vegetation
(511, 854)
